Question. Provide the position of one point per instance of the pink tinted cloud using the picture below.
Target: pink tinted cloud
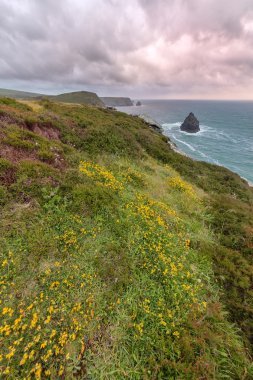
(176, 48)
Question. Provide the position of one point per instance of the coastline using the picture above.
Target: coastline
(174, 147)
(226, 131)
(158, 128)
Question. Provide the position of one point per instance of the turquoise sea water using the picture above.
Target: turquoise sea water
(226, 130)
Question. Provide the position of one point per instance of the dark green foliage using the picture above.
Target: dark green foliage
(19, 138)
(32, 179)
(114, 267)
(7, 172)
(45, 155)
(232, 221)
(230, 204)
(90, 199)
(3, 195)
(5, 165)
(235, 274)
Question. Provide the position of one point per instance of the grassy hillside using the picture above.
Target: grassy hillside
(17, 94)
(120, 259)
(81, 97)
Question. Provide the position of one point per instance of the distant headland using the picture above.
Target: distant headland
(80, 97)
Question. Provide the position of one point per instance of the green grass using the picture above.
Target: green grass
(118, 267)
(17, 94)
(81, 97)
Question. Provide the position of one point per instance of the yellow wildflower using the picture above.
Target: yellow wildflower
(53, 333)
(44, 344)
(61, 370)
(4, 263)
(37, 369)
(34, 320)
(6, 371)
(24, 359)
(7, 310)
(47, 320)
(10, 353)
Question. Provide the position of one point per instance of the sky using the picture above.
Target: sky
(189, 49)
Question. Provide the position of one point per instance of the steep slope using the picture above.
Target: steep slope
(107, 254)
(81, 97)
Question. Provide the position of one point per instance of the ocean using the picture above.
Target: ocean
(226, 130)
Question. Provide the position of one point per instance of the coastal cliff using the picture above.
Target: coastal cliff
(80, 97)
(113, 243)
(111, 101)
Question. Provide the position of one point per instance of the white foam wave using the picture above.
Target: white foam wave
(171, 125)
(206, 157)
(203, 128)
(221, 135)
(210, 159)
(185, 143)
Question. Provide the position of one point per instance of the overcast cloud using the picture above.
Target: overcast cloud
(139, 48)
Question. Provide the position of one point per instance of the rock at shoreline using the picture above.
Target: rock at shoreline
(152, 123)
(138, 103)
(191, 124)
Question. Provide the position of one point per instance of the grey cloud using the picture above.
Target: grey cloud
(147, 47)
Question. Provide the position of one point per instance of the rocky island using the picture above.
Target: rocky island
(190, 124)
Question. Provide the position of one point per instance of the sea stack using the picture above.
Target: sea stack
(191, 124)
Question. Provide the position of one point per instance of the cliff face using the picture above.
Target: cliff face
(116, 101)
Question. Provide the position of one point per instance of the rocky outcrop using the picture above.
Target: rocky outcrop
(138, 103)
(191, 124)
(152, 123)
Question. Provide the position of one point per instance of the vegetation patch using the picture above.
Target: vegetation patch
(127, 261)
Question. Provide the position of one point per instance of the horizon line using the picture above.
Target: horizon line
(133, 97)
